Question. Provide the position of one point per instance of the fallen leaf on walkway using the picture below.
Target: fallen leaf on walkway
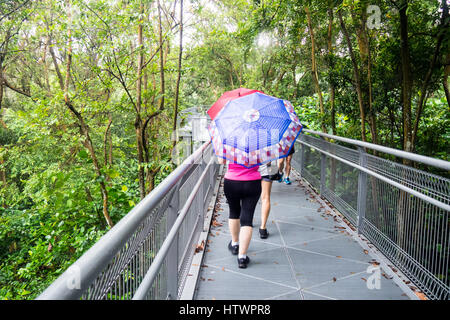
(334, 279)
(216, 224)
(386, 276)
(364, 279)
(366, 252)
(210, 279)
(338, 257)
(223, 268)
(421, 295)
(200, 247)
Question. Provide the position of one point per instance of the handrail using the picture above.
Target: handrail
(395, 152)
(420, 195)
(157, 263)
(91, 263)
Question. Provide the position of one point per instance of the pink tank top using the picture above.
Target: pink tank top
(241, 173)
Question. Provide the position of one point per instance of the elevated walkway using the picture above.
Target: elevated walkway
(378, 230)
(310, 254)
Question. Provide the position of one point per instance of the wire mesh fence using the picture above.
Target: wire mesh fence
(402, 223)
(116, 266)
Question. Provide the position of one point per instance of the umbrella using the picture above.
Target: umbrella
(228, 96)
(254, 129)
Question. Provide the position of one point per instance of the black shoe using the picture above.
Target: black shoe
(234, 249)
(263, 233)
(243, 262)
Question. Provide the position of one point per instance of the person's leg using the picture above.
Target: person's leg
(234, 226)
(249, 202)
(288, 165)
(234, 203)
(280, 168)
(288, 168)
(245, 235)
(266, 187)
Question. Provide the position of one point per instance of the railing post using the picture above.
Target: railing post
(323, 171)
(362, 190)
(302, 159)
(172, 256)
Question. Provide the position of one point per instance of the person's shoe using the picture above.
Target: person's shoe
(281, 178)
(243, 262)
(263, 233)
(233, 249)
(287, 181)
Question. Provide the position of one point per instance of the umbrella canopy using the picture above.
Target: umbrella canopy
(226, 97)
(254, 129)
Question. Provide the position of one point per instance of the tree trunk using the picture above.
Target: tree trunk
(314, 71)
(423, 91)
(406, 78)
(331, 66)
(138, 120)
(107, 156)
(332, 90)
(177, 88)
(356, 75)
(161, 60)
(445, 79)
(84, 129)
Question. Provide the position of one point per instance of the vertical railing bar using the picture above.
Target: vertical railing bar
(410, 218)
(362, 191)
(172, 257)
(433, 242)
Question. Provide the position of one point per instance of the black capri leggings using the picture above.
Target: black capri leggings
(242, 198)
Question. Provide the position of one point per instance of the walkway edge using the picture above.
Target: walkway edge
(194, 271)
(398, 277)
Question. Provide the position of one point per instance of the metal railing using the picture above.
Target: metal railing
(403, 211)
(147, 254)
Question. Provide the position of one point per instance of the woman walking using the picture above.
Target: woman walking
(242, 188)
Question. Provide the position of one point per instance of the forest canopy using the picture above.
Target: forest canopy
(92, 94)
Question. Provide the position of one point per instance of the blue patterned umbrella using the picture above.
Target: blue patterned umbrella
(254, 129)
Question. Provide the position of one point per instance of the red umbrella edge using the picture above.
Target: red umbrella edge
(228, 96)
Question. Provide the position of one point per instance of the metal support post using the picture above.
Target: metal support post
(172, 256)
(323, 172)
(362, 190)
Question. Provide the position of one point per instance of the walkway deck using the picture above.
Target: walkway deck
(310, 254)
